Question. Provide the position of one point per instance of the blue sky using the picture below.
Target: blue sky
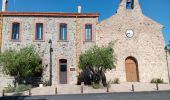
(157, 10)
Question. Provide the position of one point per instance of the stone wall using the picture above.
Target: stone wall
(169, 61)
(62, 50)
(169, 58)
(5, 80)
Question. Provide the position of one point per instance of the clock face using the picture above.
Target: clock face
(129, 33)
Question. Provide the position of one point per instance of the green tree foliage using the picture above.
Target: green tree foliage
(22, 63)
(98, 60)
(167, 48)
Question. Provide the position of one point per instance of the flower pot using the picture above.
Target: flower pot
(40, 85)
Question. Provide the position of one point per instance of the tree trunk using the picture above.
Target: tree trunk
(16, 82)
(104, 79)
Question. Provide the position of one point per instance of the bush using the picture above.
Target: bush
(19, 88)
(22, 87)
(9, 89)
(116, 81)
(157, 80)
(46, 83)
(85, 76)
(21, 64)
(96, 86)
(34, 81)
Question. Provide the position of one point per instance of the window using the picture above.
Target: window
(129, 4)
(63, 65)
(88, 32)
(15, 31)
(39, 31)
(63, 32)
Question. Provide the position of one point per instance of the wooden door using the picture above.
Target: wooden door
(131, 70)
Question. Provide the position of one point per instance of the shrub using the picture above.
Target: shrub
(22, 87)
(116, 81)
(85, 76)
(9, 89)
(19, 88)
(96, 86)
(46, 83)
(80, 78)
(157, 80)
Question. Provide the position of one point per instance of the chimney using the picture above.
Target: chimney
(4, 5)
(79, 9)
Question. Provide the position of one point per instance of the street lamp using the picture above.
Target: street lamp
(167, 50)
(51, 50)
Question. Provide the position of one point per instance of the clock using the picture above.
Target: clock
(129, 33)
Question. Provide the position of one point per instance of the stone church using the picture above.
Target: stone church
(138, 41)
(138, 44)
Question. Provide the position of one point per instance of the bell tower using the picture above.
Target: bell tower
(4, 5)
(129, 6)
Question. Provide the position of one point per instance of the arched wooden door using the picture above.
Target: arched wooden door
(131, 68)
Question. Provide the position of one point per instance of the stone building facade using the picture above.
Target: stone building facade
(61, 49)
(138, 42)
(138, 38)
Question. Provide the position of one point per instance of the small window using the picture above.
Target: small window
(88, 32)
(39, 31)
(63, 32)
(15, 31)
(129, 4)
(63, 65)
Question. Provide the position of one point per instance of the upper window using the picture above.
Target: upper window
(63, 31)
(88, 32)
(39, 31)
(129, 4)
(15, 31)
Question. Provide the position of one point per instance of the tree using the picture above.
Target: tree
(98, 60)
(21, 64)
(167, 49)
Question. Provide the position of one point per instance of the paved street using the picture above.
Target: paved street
(109, 96)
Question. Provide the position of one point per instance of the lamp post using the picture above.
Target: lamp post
(51, 50)
(167, 50)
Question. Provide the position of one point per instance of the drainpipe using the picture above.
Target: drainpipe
(1, 27)
(77, 47)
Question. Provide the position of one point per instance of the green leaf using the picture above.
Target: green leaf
(98, 58)
(25, 62)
